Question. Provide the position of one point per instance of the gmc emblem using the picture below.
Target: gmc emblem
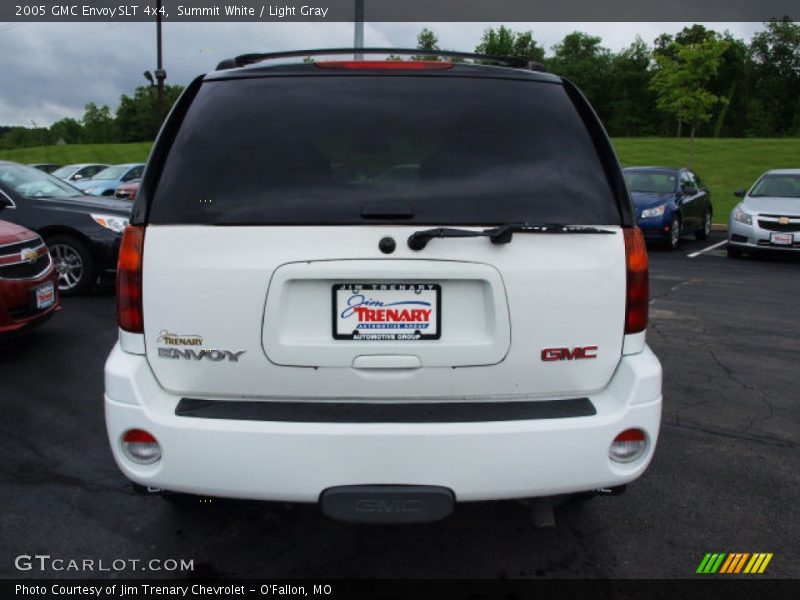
(377, 505)
(581, 352)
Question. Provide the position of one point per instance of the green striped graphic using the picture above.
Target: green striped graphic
(711, 562)
(714, 561)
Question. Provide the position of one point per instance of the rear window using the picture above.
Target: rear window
(344, 149)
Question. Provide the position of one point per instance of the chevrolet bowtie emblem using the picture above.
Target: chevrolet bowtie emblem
(783, 220)
(29, 255)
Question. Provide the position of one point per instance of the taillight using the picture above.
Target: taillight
(129, 280)
(628, 446)
(638, 295)
(385, 65)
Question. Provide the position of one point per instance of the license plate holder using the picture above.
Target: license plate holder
(781, 239)
(379, 311)
(45, 295)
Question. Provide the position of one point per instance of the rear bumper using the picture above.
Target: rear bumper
(297, 461)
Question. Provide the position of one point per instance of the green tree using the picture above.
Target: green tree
(24, 137)
(632, 102)
(98, 124)
(583, 60)
(681, 80)
(137, 117)
(505, 42)
(775, 78)
(66, 129)
(426, 40)
(729, 82)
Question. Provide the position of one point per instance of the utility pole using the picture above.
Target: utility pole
(160, 73)
(358, 22)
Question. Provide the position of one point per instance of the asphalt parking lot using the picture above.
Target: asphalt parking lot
(725, 476)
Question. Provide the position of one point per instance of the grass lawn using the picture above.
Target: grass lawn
(724, 164)
(111, 154)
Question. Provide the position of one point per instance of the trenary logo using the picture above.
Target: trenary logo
(734, 563)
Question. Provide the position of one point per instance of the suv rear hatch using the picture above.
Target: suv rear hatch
(268, 272)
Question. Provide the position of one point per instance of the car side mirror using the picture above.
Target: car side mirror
(688, 190)
(77, 177)
(739, 193)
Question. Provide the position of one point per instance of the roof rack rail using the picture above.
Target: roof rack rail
(516, 62)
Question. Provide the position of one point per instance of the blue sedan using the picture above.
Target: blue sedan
(670, 203)
(106, 182)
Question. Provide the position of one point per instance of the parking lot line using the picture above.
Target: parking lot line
(704, 250)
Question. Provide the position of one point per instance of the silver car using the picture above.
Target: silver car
(768, 217)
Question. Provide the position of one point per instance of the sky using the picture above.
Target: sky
(51, 70)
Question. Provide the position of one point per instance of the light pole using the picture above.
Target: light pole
(160, 73)
(358, 36)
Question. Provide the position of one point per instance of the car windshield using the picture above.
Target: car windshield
(33, 183)
(111, 173)
(778, 186)
(651, 182)
(65, 172)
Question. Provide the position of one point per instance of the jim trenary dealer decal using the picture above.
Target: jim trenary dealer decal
(174, 339)
(386, 311)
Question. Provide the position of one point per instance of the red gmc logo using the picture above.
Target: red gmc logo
(551, 354)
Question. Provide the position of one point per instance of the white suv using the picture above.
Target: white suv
(383, 286)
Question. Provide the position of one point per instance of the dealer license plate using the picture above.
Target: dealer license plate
(367, 311)
(781, 239)
(45, 295)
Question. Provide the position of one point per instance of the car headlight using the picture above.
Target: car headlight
(742, 217)
(115, 224)
(656, 211)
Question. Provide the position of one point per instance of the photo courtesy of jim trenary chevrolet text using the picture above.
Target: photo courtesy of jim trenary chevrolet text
(381, 299)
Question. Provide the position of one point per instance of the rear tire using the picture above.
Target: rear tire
(73, 262)
(673, 239)
(706, 229)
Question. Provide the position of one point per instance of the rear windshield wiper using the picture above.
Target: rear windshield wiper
(498, 235)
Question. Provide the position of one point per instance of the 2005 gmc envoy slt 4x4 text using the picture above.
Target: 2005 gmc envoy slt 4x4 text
(385, 286)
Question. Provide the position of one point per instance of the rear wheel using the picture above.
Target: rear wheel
(674, 235)
(73, 262)
(706, 230)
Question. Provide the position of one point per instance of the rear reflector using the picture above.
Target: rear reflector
(385, 65)
(638, 294)
(628, 446)
(129, 280)
(141, 447)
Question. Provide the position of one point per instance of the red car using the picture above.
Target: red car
(127, 191)
(28, 279)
